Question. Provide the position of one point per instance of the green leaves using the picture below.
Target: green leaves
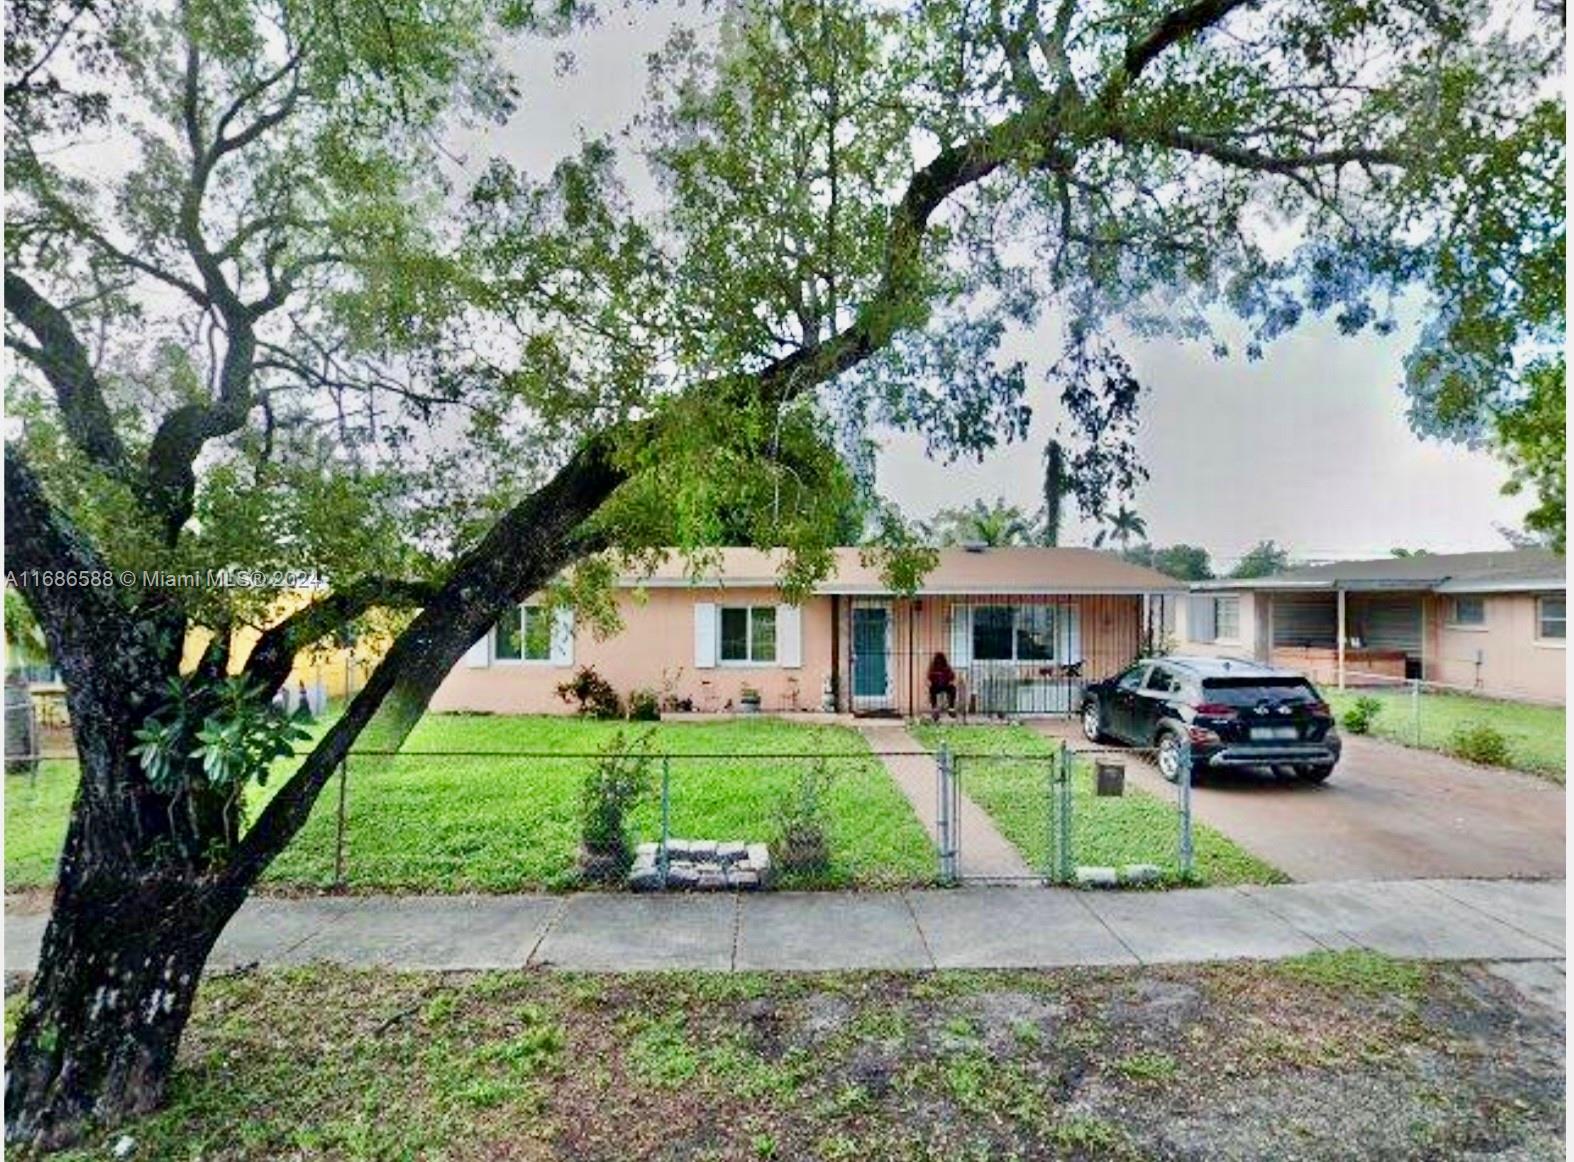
(225, 734)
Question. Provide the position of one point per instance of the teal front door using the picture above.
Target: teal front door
(871, 656)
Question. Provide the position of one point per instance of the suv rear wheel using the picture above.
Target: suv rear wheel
(1313, 774)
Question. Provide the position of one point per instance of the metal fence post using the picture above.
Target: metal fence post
(1415, 707)
(1184, 784)
(338, 838)
(1065, 813)
(943, 819)
(666, 816)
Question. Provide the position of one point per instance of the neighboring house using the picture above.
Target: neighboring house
(1494, 622)
(1022, 627)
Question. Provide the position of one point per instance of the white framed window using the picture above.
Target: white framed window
(1552, 619)
(1214, 619)
(524, 635)
(1013, 633)
(1467, 612)
(748, 634)
(1227, 619)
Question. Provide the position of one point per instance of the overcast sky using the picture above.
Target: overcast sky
(1307, 446)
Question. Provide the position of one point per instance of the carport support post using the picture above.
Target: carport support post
(1184, 784)
(1415, 707)
(1339, 598)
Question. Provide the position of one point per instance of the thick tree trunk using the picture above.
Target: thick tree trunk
(121, 960)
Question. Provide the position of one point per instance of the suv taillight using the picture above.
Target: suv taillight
(1215, 710)
(1317, 707)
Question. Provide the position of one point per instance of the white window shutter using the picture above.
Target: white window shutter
(1201, 626)
(961, 634)
(704, 635)
(1073, 635)
(562, 637)
(479, 656)
(789, 637)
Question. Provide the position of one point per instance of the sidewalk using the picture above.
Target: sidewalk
(975, 927)
(983, 853)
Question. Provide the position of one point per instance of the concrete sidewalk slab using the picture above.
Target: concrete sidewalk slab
(1542, 981)
(24, 938)
(434, 933)
(1021, 928)
(274, 931)
(1536, 908)
(825, 931)
(613, 933)
(1408, 919)
(1203, 924)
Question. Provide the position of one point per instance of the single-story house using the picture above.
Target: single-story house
(1494, 621)
(1021, 627)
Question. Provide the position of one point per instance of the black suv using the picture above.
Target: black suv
(1235, 714)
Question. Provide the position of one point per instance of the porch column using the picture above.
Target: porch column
(1148, 643)
(1340, 643)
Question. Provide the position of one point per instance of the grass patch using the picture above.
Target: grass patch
(1535, 734)
(1134, 828)
(1356, 970)
(446, 823)
(329, 1062)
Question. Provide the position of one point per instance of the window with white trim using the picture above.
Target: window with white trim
(1227, 619)
(524, 635)
(1013, 633)
(748, 633)
(1552, 618)
(1468, 611)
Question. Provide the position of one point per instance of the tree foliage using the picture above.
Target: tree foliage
(1262, 560)
(288, 330)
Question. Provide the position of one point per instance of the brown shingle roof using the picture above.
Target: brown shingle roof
(1004, 570)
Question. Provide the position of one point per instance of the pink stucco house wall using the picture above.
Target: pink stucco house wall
(1493, 622)
(1022, 627)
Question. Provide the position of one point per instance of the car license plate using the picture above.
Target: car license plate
(1273, 733)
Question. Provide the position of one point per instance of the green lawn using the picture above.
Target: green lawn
(1536, 734)
(1134, 828)
(446, 823)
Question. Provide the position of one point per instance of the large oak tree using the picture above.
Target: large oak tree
(275, 326)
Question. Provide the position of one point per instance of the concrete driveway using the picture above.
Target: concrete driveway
(1388, 812)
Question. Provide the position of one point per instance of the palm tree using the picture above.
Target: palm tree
(1055, 484)
(995, 524)
(1122, 528)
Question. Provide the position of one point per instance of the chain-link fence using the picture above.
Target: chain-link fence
(1477, 725)
(1072, 816)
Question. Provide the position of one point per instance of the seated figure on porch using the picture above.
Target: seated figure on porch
(942, 685)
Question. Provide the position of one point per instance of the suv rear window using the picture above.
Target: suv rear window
(1250, 691)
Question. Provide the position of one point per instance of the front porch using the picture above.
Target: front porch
(1012, 655)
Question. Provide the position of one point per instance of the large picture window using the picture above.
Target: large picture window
(1013, 633)
(748, 633)
(524, 635)
(1552, 618)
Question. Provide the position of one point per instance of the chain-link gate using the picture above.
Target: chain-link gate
(1051, 809)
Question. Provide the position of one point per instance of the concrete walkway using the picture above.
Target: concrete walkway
(975, 927)
(984, 852)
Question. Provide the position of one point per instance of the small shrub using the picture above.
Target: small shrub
(803, 821)
(595, 695)
(1358, 719)
(644, 706)
(1477, 742)
(620, 776)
